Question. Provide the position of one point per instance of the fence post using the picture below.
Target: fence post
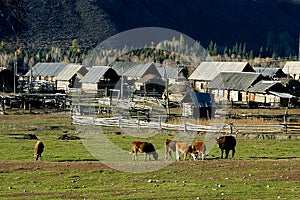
(159, 123)
(119, 122)
(184, 125)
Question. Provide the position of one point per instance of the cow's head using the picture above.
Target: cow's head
(155, 155)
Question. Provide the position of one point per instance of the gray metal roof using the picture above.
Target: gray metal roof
(46, 69)
(95, 74)
(291, 67)
(262, 86)
(134, 69)
(170, 72)
(209, 70)
(269, 71)
(70, 70)
(239, 81)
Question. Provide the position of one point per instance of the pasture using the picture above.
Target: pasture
(261, 169)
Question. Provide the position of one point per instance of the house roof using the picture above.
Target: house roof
(134, 69)
(46, 69)
(170, 72)
(200, 100)
(263, 86)
(269, 71)
(239, 81)
(68, 72)
(151, 78)
(209, 70)
(95, 74)
(291, 67)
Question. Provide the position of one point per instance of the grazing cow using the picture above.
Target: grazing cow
(143, 147)
(200, 148)
(227, 143)
(185, 148)
(170, 146)
(38, 150)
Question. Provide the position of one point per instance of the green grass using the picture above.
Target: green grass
(261, 169)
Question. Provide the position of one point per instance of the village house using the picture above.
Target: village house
(270, 94)
(207, 71)
(100, 79)
(233, 86)
(53, 76)
(292, 68)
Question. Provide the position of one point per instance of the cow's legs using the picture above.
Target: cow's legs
(233, 152)
(226, 153)
(177, 155)
(134, 156)
(222, 151)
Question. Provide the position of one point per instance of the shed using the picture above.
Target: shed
(99, 78)
(207, 71)
(292, 68)
(198, 105)
(172, 74)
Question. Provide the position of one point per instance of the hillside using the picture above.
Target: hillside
(40, 24)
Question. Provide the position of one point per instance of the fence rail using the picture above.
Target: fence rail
(139, 124)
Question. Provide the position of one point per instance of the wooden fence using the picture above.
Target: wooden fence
(271, 128)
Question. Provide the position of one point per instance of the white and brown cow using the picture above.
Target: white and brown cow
(200, 148)
(143, 147)
(185, 148)
(227, 143)
(38, 150)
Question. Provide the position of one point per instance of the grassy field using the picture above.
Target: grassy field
(261, 169)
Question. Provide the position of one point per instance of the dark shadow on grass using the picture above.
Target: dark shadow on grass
(274, 158)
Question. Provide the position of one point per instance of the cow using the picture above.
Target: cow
(38, 150)
(185, 148)
(227, 143)
(170, 146)
(143, 147)
(200, 148)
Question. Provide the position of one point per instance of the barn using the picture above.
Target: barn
(150, 85)
(207, 71)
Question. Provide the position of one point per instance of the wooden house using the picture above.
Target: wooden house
(198, 105)
(150, 85)
(55, 76)
(100, 78)
(233, 86)
(70, 76)
(269, 93)
(173, 75)
(271, 73)
(292, 68)
(207, 71)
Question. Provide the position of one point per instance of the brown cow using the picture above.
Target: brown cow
(143, 147)
(170, 146)
(200, 148)
(227, 143)
(185, 148)
(38, 150)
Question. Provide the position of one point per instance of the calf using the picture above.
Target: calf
(38, 150)
(227, 143)
(170, 146)
(185, 148)
(143, 147)
(200, 148)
